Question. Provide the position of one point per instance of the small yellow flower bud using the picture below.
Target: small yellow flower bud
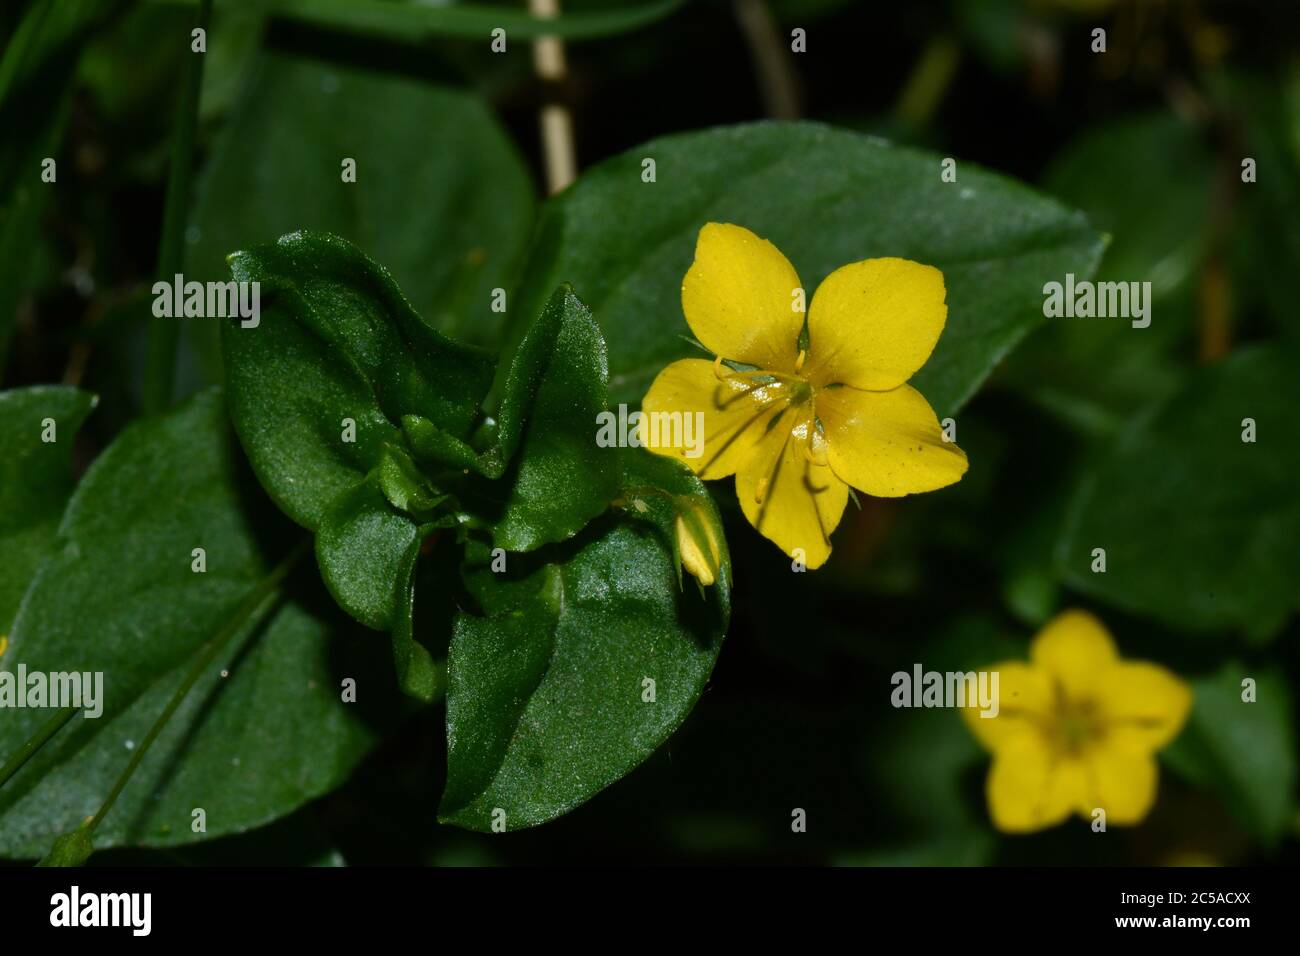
(697, 543)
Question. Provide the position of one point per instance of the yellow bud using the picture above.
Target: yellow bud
(697, 543)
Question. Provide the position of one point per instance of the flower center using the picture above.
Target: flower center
(1077, 725)
(800, 391)
(785, 391)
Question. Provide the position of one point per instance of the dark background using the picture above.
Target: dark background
(797, 715)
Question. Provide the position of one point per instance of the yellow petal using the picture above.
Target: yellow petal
(739, 298)
(733, 410)
(1075, 648)
(872, 324)
(887, 443)
(1122, 782)
(792, 501)
(1029, 788)
(1143, 706)
(1025, 706)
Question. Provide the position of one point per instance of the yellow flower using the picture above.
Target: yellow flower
(801, 425)
(1077, 729)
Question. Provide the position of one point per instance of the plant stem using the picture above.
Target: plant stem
(164, 333)
(556, 122)
(35, 743)
(257, 602)
(928, 82)
(773, 64)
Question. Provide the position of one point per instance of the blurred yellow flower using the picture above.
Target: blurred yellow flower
(800, 425)
(1077, 729)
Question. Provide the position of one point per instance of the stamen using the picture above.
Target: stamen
(717, 370)
(798, 363)
(760, 492)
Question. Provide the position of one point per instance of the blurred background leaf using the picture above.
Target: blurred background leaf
(278, 168)
(1244, 751)
(1201, 529)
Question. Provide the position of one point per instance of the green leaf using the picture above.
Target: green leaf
(119, 597)
(418, 674)
(1245, 750)
(826, 198)
(317, 388)
(415, 22)
(1201, 529)
(555, 392)
(277, 168)
(131, 68)
(546, 703)
(553, 396)
(35, 480)
(999, 31)
(1265, 238)
(1093, 371)
(336, 342)
(361, 544)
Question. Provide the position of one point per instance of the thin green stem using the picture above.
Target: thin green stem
(261, 599)
(928, 82)
(35, 743)
(164, 333)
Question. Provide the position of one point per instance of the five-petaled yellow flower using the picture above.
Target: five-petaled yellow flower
(1077, 729)
(799, 426)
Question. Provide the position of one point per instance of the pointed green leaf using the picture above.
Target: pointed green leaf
(561, 477)
(553, 475)
(586, 657)
(336, 347)
(120, 597)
